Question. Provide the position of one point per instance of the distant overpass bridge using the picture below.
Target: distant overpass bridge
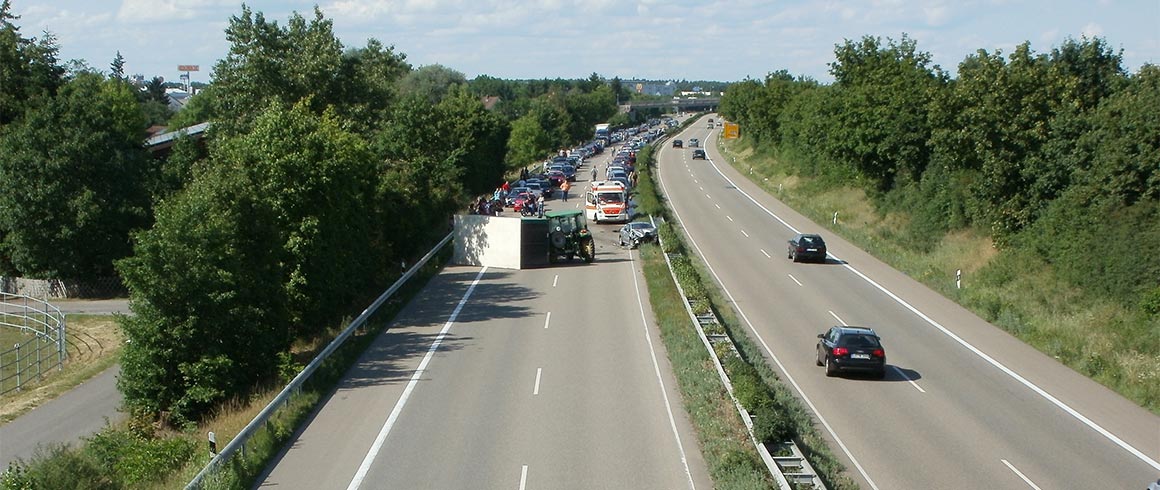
(698, 104)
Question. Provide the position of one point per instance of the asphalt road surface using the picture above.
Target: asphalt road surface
(543, 378)
(963, 405)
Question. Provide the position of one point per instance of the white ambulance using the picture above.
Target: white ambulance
(606, 200)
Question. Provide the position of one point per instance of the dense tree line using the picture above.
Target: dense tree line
(324, 168)
(1057, 153)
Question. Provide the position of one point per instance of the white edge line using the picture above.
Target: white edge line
(524, 477)
(373, 452)
(1021, 475)
(907, 378)
(1016, 376)
(765, 345)
(548, 319)
(799, 283)
(660, 379)
(536, 389)
(835, 315)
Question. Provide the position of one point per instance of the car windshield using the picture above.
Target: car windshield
(858, 341)
(609, 197)
(811, 240)
(641, 225)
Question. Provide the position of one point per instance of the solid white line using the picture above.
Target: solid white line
(765, 345)
(524, 477)
(660, 380)
(373, 452)
(555, 280)
(536, 390)
(744, 233)
(766, 254)
(835, 315)
(904, 376)
(548, 319)
(1021, 475)
(1016, 376)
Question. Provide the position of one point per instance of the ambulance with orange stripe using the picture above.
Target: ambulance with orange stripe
(606, 201)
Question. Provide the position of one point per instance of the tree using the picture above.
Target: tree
(75, 181)
(883, 94)
(117, 67)
(29, 68)
(529, 141)
(208, 320)
(431, 82)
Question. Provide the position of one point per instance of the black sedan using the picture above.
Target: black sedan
(851, 349)
(677, 144)
(698, 154)
(806, 247)
(638, 232)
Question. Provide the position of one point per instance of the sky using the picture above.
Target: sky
(722, 40)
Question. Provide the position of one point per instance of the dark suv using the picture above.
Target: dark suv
(806, 247)
(851, 349)
(678, 144)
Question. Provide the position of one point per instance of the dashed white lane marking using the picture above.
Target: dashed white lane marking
(373, 452)
(708, 196)
(1021, 475)
(744, 233)
(702, 188)
(548, 319)
(766, 253)
(946, 331)
(718, 205)
(730, 217)
(554, 281)
(524, 477)
(835, 315)
(799, 283)
(536, 389)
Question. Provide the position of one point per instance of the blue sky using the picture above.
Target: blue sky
(655, 39)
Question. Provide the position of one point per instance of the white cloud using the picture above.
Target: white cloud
(149, 11)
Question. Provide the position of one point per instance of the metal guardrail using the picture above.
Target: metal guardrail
(784, 469)
(295, 385)
(44, 348)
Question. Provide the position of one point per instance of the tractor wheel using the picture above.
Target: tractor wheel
(588, 250)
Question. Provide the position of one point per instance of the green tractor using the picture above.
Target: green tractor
(568, 236)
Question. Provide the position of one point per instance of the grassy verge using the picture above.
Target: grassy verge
(1015, 290)
(778, 414)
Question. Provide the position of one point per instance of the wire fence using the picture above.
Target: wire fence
(35, 330)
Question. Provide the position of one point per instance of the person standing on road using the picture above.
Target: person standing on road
(564, 187)
(593, 173)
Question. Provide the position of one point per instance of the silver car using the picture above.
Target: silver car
(638, 232)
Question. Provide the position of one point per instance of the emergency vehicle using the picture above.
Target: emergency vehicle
(606, 200)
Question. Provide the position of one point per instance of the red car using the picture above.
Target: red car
(522, 199)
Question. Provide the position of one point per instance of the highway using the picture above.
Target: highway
(964, 404)
(508, 379)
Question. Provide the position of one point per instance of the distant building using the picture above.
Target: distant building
(652, 87)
